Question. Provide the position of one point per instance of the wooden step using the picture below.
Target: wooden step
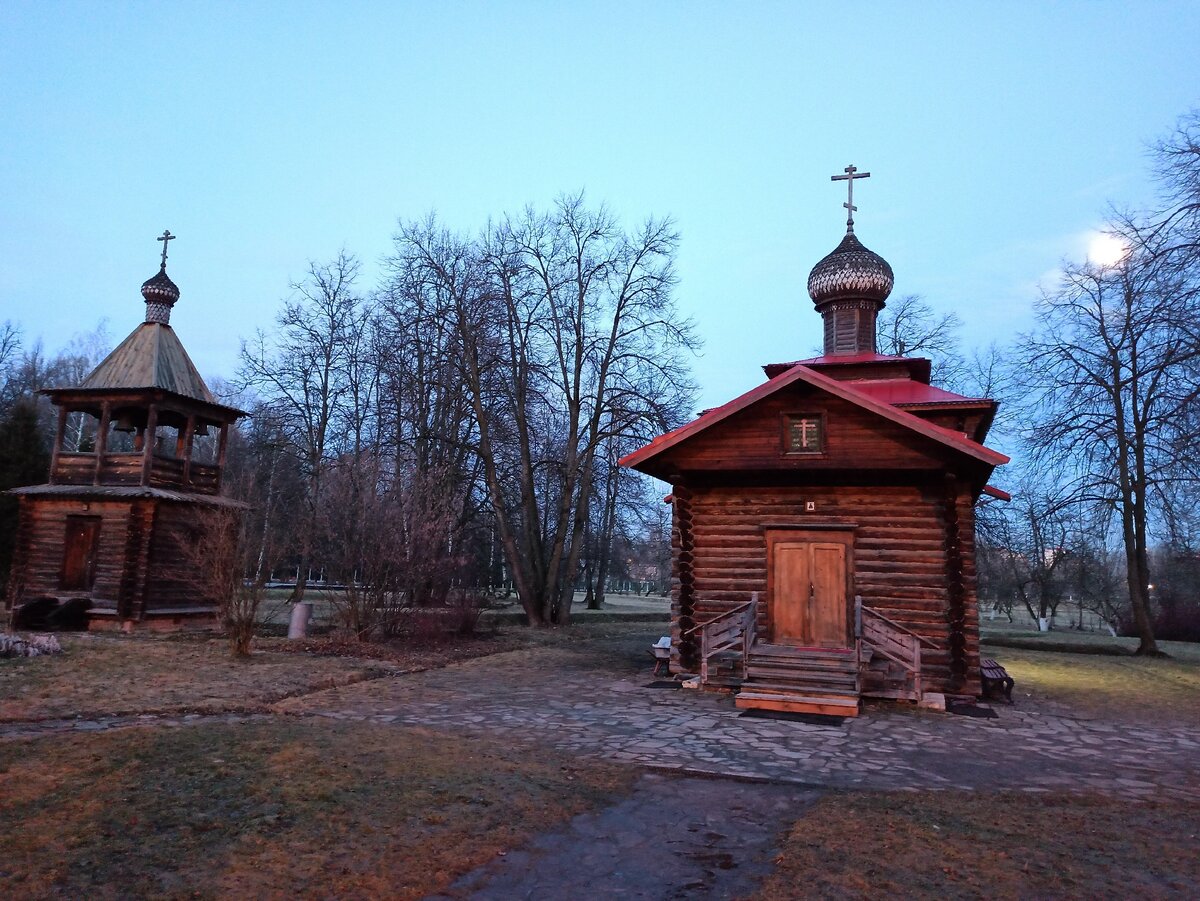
(803, 688)
(827, 705)
(799, 674)
(849, 681)
(809, 688)
(781, 664)
(762, 649)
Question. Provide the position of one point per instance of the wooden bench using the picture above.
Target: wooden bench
(994, 676)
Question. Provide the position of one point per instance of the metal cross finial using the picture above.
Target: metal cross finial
(165, 237)
(851, 174)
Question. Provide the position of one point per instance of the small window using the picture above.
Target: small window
(804, 433)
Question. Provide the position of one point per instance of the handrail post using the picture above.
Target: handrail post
(916, 653)
(858, 616)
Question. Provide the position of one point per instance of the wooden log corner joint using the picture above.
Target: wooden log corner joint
(835, 499)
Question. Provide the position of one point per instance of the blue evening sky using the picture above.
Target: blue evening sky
(268, 134)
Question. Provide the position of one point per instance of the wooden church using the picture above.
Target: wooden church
(124, 525)
(823, 522)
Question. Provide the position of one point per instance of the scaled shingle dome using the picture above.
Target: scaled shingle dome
(850, 272)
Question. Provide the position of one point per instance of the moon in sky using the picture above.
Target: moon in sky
(1106, 249)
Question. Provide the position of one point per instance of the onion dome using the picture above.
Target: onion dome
(160, 294)
(851, 272)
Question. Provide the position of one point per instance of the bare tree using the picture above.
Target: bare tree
(566, 334)
(1113, 378)
(909, 326)
(10, 355)
(1033, 536)
(1176, 227)
(303, 372)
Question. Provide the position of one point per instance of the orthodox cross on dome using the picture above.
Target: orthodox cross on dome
(167, 236)
(851, 174)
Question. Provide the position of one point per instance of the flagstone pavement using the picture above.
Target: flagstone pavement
(593, 699)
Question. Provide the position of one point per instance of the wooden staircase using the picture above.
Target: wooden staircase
(885, 663)
(801, 680)
(889, 655)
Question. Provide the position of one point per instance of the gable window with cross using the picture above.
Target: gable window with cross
(804, 433)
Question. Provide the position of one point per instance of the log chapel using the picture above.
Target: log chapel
(823, 542)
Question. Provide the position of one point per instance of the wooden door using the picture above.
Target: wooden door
(808, 588)
(79, 553)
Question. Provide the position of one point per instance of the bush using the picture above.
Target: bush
(1178, 622)
(1173, 622)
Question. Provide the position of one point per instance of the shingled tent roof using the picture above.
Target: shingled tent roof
(151, 357)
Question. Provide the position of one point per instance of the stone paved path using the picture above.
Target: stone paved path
(672, 838)
(592, 699)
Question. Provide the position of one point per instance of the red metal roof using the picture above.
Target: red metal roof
(849, 391)
(918, 368)
(838, 359)
(906, 391)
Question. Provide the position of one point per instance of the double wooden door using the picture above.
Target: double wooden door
(807, 576)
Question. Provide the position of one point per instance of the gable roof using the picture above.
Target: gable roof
(151, 357)
(845, 390)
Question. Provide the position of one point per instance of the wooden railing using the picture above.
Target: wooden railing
(732, 630)
(879, 635)
(124, 468)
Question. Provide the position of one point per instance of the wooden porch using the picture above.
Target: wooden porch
(885, 662)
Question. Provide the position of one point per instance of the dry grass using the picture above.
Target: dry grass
(1122, 689)
(960, 845)
(1067, 639)
(109, 675)
(292, 807)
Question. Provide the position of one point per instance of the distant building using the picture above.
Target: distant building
(130, 518)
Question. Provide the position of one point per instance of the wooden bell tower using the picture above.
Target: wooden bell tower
(134, 487)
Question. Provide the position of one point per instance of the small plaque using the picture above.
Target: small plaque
(804, 433)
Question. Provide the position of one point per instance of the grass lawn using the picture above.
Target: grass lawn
(966, 845)
(109, 674)
(1124, 689)
(104, 674)
(289, 807)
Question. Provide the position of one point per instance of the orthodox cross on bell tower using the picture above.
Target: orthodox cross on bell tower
(851, 174)
(167, 236)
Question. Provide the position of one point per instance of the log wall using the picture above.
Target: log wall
(148, 556)
(183, 561)
(43, 533)
(900, 553)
